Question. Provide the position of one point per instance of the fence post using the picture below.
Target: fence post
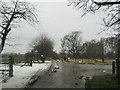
(118, 70)
(113, 67)
(11, 62)
(30, 62)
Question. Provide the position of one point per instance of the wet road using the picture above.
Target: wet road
(69, 75)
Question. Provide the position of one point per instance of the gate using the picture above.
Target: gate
(6, 68)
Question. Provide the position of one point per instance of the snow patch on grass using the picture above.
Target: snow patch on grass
(23, 74)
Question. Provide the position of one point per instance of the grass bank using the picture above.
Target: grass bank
(102, 81)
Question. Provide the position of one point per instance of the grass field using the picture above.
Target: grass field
(91, 61)
(102, 81)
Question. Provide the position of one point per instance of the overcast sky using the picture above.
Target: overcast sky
(56, 20)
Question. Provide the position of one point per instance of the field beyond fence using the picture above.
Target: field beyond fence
(91, 61)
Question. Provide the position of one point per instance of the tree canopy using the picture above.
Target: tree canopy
(11, 13)
(110, 7)
(71, 43)
(43, 44)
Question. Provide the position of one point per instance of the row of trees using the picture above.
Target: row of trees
(110, 7)
(73, 47)
(41, 45)
(13, 12)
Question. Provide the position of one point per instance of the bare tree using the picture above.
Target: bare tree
(11, 13)
(110, 45)
(71, 43)
(112, 10)
(43, 44)
(109, 6)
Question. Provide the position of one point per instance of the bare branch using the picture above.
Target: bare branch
(107, 3)
(110, 7)
(13, 11)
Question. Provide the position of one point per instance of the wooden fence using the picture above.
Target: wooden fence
(6, 67)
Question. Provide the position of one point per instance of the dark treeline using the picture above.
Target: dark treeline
(25, 58)
(18, 58)
(105, 48)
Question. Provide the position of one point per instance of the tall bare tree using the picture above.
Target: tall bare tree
(71, 43)
(112, 9)
(11, 13)
(43, 44)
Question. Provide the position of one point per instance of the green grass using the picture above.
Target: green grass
(96, 61)
(102, 81)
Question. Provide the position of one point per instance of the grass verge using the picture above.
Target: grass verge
(102, 81)
(94, 61)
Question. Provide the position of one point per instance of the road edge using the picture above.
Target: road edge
(37, 75)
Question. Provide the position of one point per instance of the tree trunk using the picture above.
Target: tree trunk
(3, 39)
(1, 48)
(7, 30)
(118, 52)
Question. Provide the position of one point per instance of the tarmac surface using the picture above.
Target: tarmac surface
(69, 75)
